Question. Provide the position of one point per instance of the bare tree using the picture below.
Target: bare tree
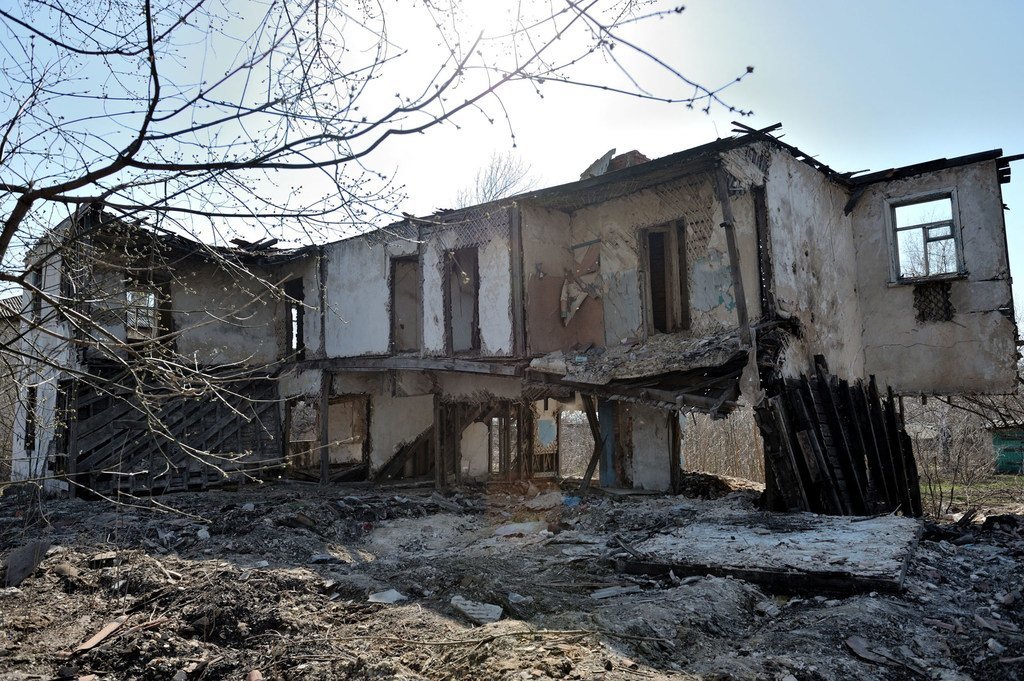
(212, 119)
(504, 175)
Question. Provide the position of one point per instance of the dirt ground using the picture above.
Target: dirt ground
(279, 582)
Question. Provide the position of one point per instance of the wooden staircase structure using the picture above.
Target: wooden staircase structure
(158, 441)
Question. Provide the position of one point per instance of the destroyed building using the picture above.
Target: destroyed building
(741, 273)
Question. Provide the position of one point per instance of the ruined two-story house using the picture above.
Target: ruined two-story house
(450, 347)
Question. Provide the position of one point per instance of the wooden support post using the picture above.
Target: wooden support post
(729, 224)
(71, 423)
(439, 441)
(590, 407)
(518, 297)
(325, 454)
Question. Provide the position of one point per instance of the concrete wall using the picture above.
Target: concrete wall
(652, 448)
(814, 265)
(975, 351)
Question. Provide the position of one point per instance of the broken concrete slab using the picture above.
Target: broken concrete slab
(22, 562)
(545, 501)
(102, 560)
(389, 596)
(796, 553)
(481, 613)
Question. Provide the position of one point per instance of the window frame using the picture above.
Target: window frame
(295, 318)
(675, 273)
(892, 230)
(133, 312)
(475, 332)
(30, 436)
(396, 262)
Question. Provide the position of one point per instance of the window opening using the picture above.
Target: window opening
(37, 297)
(660, 313)
(406, 304)
(667, 294)
(31, 398)
(142, 319)
(463, 299)
(295, 333)
(926, 238)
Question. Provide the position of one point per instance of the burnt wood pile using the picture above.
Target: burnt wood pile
(837, 448)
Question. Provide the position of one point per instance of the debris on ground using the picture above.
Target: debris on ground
(292, 581)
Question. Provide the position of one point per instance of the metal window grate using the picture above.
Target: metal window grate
(932, 302)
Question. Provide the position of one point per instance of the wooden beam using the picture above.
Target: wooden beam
(325, 454)
(680, 398)
(515, 225)
(729, 224)
(590, 407)
(415, 364)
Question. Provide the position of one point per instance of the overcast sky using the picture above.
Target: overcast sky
(866, 85)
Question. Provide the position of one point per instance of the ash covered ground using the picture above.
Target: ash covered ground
(291, 581)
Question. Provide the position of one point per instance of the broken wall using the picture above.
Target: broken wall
(226, 314)
(814, 263)
(974, 349)
(617, 224)
(395, 419)
(653, 446)
(549, 264)
(474, 450)
(486, 229)
(306, 269)
(358, 309)
(48, 346)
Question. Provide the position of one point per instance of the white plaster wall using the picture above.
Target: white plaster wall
(27, 465)
(395, 421)
(474, 446)
(433, 300)
(814, 265)
(295, 383)
(975, 352)
(358, 318)
(477, 387)
(44, 348)
(494, 265)
(496, 298)
(652, 448)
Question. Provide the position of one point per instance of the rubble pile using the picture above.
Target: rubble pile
(294, 581)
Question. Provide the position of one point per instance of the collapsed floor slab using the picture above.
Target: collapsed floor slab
(793, 554)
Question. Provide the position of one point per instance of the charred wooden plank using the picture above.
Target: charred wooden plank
(776, 581)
